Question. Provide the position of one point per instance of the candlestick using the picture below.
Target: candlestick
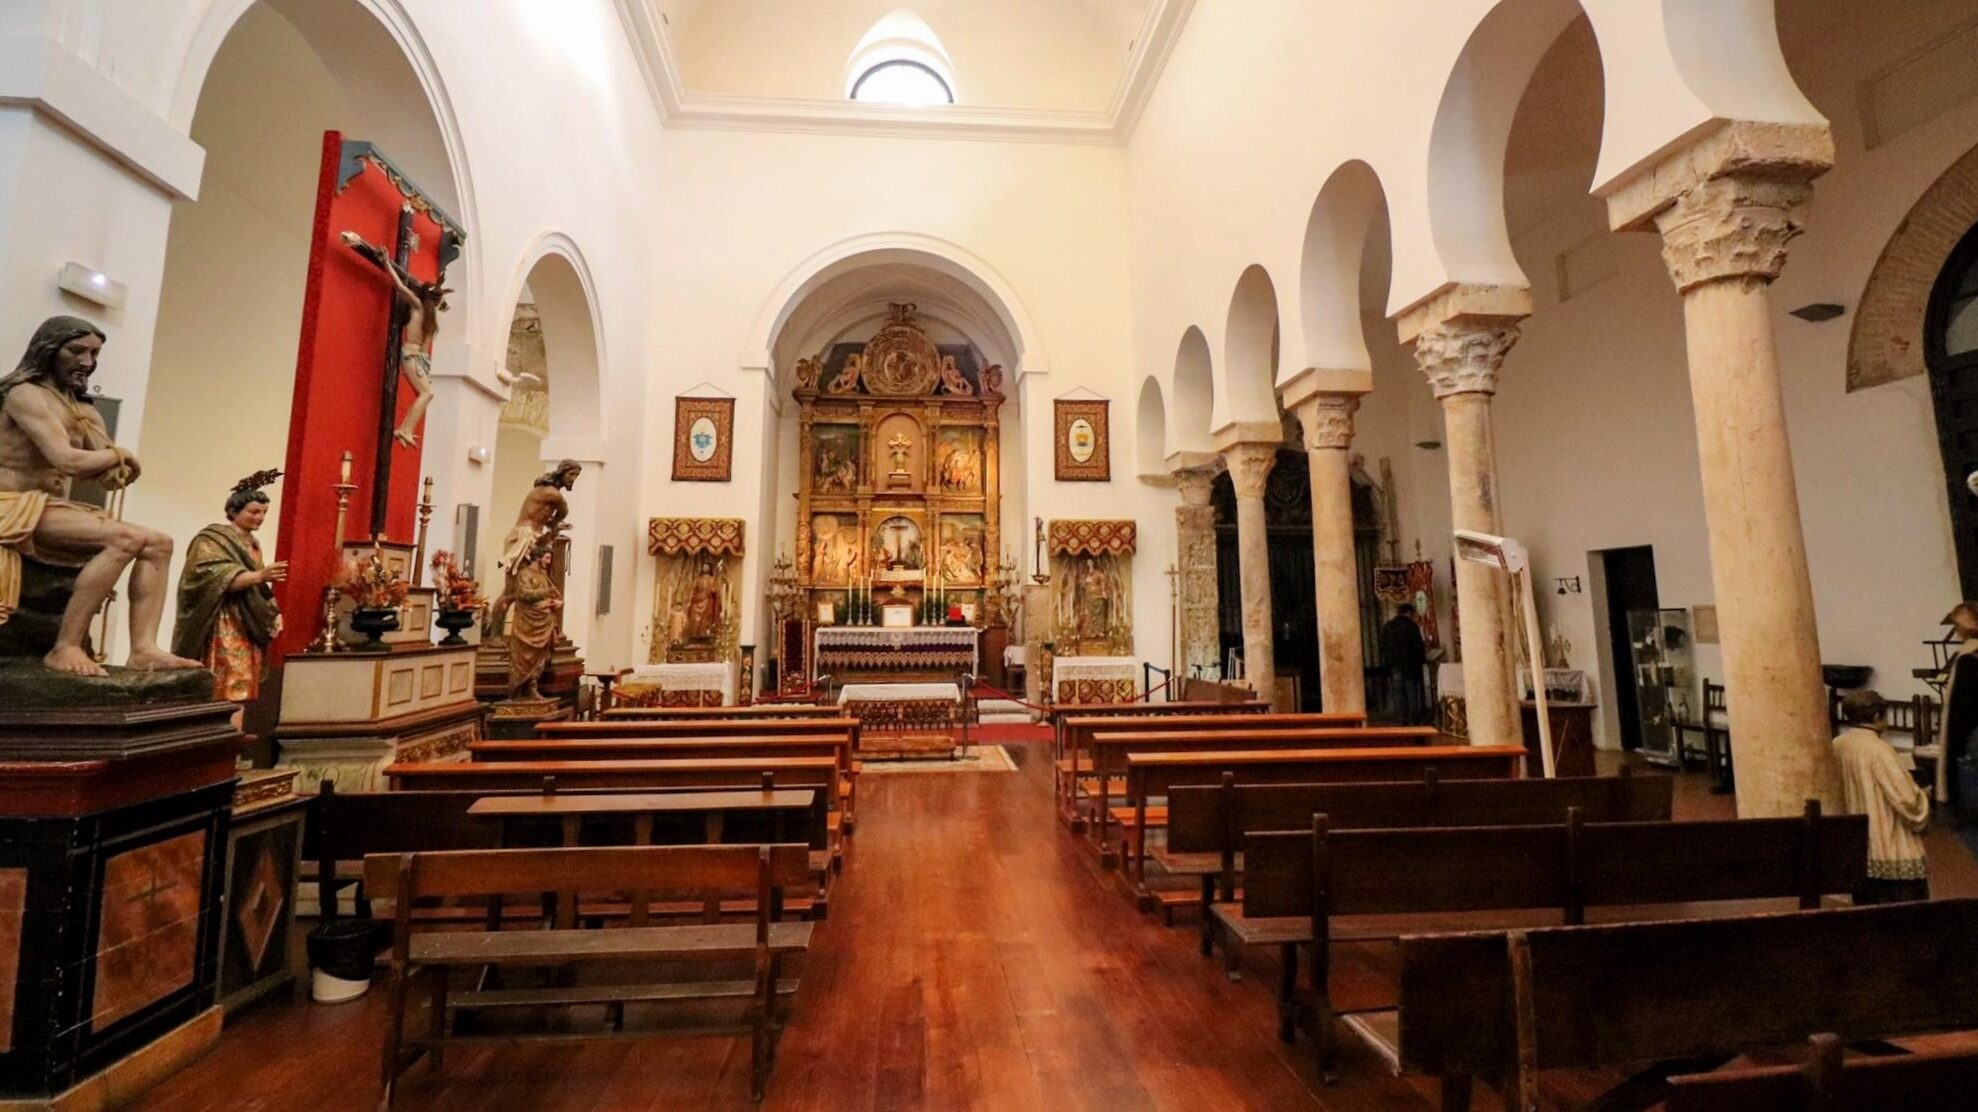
(425, 519)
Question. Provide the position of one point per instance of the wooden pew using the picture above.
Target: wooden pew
(1525, 875)
(1065, 711)
(835, 745)
(1150, 775)
(431, 956)
(696, 728)
(1500, 1005)
(1928, 1082)
(343, 828)
(1074, 733)
(1206, 825)
(705, 714)
(632, 775)
(1108, 751)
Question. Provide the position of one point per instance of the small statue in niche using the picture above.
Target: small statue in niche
(416, 308)
(227, 614)
(531, 624)
(50, 436)
(704, 604)
(952, 379)
(846, 381)
(1094, 602)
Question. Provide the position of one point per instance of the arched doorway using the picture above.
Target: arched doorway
(1950, 351)
(1294, 610)
(223, 368)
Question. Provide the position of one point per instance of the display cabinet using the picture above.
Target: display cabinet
(1663, 650)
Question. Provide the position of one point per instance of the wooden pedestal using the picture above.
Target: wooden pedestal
(344, 717)
(1572, 738)
(264, 852)
(113, 824)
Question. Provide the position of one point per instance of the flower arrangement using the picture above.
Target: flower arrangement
(458, 591)
(368, 583)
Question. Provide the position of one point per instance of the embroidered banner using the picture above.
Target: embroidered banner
(694, 536)
(1092, 538)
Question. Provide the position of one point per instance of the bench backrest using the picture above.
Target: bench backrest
(788, 772)
(501, 872)
(1149, 710)
(695, 728)
(1568, 866)
(350, 826)
(704, 714)
(1152, 774)
(1930, 1082)
(1212, 819)
(1599, 995)
(1109, 746)
(643, 748)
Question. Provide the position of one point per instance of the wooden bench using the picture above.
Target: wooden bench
(432, 955)
(1153, 775)
(718, 714)
(1928, 1082)
(1108, 752)
(343, 828)
(1074, 733)
(632, 775)
(1063, 712)
(1206, 825)
(1526, 875)
(696, 728)
(836, 745)
(1690, 993)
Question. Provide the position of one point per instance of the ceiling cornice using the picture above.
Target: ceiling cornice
(679, 107)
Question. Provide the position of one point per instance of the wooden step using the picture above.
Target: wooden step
(612, 994)
(1156, 817)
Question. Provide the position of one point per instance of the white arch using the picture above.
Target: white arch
(211, 31)
(933, 252)
(577, 403)
(1250, 335)
(1329, 269)
(1150, 429)
(1194, 393)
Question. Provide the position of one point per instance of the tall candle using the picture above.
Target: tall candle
(346, 467)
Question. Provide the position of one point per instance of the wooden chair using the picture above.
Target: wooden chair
(1688, 994)
(1830, 1083)
(431, 956)
(1713, 727)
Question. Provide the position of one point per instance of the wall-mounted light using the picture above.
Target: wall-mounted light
(479, 454)
(92, 285)
(1819, 311)
(1568, 585)
(1428, 445)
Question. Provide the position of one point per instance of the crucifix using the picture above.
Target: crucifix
(414, 323)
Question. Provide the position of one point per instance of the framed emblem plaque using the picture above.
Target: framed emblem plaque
(1083, 444)
(703, 430)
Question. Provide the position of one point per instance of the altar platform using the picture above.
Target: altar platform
(905, 720)
(913, 654)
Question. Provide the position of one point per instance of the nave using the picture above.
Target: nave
(976, 957)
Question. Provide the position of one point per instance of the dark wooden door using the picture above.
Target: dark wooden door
(1294, 608)
(1630, 578)
(1951, 352)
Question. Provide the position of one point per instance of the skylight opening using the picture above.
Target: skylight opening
(904, 82)
(900, 62)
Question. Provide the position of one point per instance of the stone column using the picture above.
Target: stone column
(1250, 463)
(1195, 584)
(1467, 333)
(1328, 421)
(1724, 241)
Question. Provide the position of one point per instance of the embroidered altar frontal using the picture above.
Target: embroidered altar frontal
(927, 652)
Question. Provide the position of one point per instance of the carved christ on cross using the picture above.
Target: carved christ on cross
(416, 311)
(899, 444)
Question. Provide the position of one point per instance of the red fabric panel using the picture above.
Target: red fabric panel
(339, 380)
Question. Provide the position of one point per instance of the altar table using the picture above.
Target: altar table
(905, 719)
(710, 684)
(1095, 679)
(918, 653)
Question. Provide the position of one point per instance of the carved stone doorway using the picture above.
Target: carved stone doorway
(1294, 610)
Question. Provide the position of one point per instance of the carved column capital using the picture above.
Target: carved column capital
(1731, 229)
(1250, 467)
(1462, 355)
(1194, 484)
(1328, 420)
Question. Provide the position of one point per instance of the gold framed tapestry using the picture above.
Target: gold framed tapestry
(703, 439)
(1083, 443)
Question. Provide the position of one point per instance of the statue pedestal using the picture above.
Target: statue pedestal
(115, 799)
(516, 719)
(345, 716)
(558, 682)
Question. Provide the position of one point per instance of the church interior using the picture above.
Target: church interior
(1099, 554)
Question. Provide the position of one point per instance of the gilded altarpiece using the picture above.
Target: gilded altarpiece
(899, 477)
(697, 583)
(1092, 578)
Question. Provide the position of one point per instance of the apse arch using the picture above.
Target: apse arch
(938, 255)
(1150, 430)
(1342, 217)
(1250, 348)
(1194, 393)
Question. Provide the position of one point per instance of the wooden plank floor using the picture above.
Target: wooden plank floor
(976, 958)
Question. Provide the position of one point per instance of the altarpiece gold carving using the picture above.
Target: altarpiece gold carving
(1092, 584)
(696, 589)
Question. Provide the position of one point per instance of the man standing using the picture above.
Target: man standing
(50, 436)
(1877, 785)
(1403, 654)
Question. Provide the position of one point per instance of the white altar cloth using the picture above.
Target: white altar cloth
(712, 676)
(1095, 679)
(899, 692)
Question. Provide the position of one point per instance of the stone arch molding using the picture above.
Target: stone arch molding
(211, 29)
(577, 409)
(1887, 341)
(938, 254)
